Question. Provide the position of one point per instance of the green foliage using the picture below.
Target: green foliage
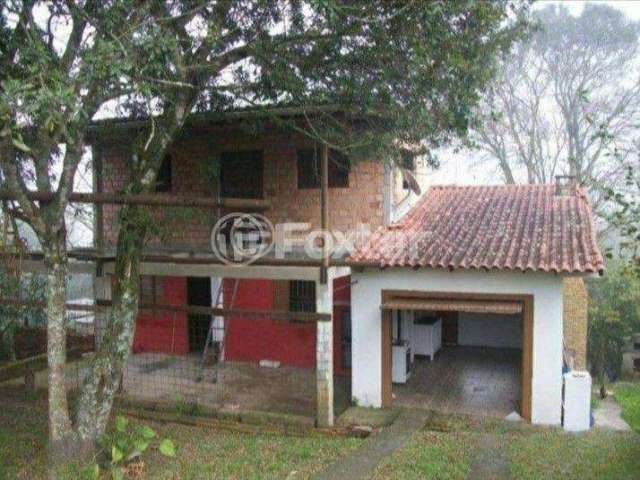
(128, 443)
(614, 312)
(431, 455)
(13, 317)
(167, 448)
(550, 453)
(410, 71)
(203, 453)
(189, 408)
(626, 217)
(628, 395)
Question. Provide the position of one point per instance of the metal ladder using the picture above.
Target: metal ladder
(211, 337)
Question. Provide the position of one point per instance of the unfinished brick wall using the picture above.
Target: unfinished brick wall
(181, 228)
(194, 173)
(576, 302)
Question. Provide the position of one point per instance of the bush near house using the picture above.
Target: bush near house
(614, 312)
(13, 318)
(32, 341)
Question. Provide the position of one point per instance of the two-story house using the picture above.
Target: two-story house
(454, 302)
(234, 157)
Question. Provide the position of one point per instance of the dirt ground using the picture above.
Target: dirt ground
(229, 385)
(233, 386)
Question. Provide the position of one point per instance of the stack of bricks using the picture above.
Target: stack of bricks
(575, 317)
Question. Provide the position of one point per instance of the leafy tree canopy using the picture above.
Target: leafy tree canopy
(626, 213)
(614, 312)
(567, 96)
(412, 70)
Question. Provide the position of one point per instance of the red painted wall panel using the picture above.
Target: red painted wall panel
(247, 339)
(164, 332)
(252, 340)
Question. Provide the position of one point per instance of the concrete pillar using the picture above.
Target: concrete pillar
(324, 354)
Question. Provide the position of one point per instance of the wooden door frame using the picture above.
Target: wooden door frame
(386, 349)
(527, 337)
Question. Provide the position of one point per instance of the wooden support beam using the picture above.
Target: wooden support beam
(244, 204)
(99, 211)
(93, 256)
(302, 317)
(324, 210)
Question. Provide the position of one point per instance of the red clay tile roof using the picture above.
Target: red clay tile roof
(514, 227)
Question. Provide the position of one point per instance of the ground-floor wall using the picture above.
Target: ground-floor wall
(254, 339)
(546, 289)
(164, 331)
(247, 339)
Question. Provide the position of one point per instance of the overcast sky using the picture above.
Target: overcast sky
(461, 168)
(630, 7)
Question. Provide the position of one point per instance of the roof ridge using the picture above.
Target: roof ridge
(444, 186)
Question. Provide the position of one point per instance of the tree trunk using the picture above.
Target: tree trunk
(60, 428)
(105, 373)
(103, 380)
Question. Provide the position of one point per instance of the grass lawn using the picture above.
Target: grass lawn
(445, 449)
(210, 454)
(628, 396)
(551, 454)
(203, 453)
(433, 455)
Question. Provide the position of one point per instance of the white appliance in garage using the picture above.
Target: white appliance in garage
(401, 362)
(401, 353)
(427, 335)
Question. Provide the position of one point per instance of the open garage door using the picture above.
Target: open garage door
(505, 323)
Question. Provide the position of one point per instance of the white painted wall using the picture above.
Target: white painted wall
(547, 326)
(490, 330)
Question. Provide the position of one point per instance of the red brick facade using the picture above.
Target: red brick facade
(195, 173)
(194, 161)
(575, 319)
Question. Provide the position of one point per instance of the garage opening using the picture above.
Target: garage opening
(457, 353)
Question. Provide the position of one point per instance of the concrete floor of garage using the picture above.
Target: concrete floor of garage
(470, 380)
